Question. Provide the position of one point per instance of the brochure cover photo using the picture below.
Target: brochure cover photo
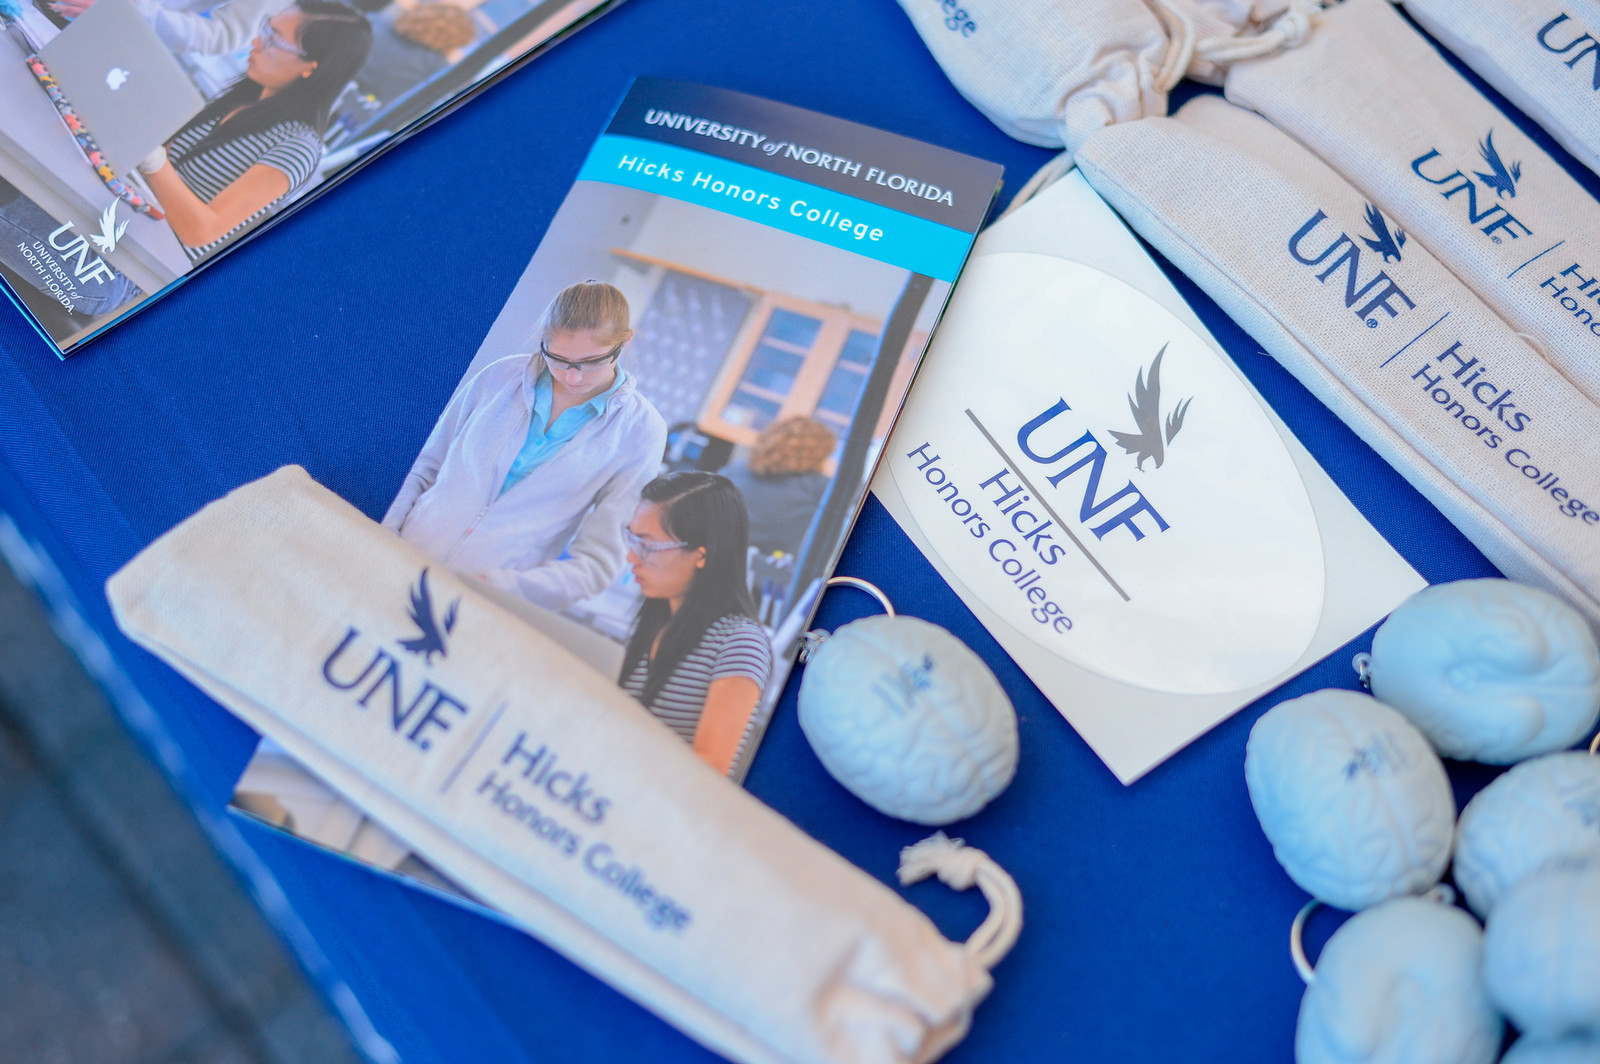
(657, 451)
(140, 139)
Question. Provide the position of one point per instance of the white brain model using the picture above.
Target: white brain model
(1400, 983)
(1542, 951)
(1490, 670)
(911, 721)
(1542, 811)
(1354, 801)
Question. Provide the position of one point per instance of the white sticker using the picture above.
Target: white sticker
(1098, 476)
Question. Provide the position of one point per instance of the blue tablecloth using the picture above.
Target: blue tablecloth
(1157, 920)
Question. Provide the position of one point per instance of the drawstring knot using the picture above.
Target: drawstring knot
(1288, 30)
(960, 867)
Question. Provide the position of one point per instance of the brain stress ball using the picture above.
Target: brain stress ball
(907, 718)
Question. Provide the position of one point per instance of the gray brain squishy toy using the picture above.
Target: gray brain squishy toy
(1400, 983)
(912, 722)
(1353, 799)
(1542, 951)
(1542, 812)
(1490, 670)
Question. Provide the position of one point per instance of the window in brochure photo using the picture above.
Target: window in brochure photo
(685, 330)
(807, 360)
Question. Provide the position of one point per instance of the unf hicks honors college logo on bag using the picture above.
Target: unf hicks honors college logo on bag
(430, 707)
(395, 683)
(1099, 477)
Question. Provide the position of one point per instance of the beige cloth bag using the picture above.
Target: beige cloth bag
(538, 785)
(1375, 327)
(1545, 58)
(1049, 72)
(1208, 35)
(1372, 97)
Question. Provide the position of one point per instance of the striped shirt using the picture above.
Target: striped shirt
(291, 147)
(733, 646)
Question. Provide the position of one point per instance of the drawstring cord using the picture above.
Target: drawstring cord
(960, 867)
(1288, 30)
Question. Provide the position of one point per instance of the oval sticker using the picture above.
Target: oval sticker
(1102, 479)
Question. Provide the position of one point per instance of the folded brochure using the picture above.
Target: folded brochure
(87, 239)
(781, 272)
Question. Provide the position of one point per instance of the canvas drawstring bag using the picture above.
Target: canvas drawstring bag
(1545, 58)
(1209, 35)
(1376, 101)
(1049, 72)
(1375, 327)
(542, 788)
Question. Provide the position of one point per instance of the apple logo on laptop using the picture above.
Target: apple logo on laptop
(115, 77)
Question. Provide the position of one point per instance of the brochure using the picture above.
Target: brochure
(1136, 527)
(656, 453)
(240, 111)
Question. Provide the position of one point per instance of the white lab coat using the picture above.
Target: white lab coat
(206, 26)
(577, 501)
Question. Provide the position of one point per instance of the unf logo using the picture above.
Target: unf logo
(430, 632)
(1148, 440)
(377, 678)
(1499, 182)
(1577, 39)
(1363, 296)
(74, 245)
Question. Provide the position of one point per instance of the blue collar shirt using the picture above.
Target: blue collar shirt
(545, 438)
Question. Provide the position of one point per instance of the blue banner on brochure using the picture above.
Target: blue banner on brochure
(781, 202)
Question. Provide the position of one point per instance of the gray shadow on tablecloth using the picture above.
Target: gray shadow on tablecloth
(124, 937)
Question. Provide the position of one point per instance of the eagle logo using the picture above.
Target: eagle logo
(430, 633)
(110, 232)
(1502, 180)
(1382, 241)
(1145, 402)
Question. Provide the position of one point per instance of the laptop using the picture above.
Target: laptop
(125, 84)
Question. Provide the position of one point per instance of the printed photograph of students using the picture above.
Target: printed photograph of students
(296, 93)
(260, 140)
(783, 481)
(531, 473)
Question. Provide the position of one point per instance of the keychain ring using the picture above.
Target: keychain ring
(1297, 943)
(1442, 893)
(815, 638)
(861, 585)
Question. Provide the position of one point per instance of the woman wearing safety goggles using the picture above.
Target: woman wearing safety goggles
(536, 465)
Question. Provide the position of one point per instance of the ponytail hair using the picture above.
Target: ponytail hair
(589, 305)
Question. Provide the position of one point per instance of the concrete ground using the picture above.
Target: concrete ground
(124, 937)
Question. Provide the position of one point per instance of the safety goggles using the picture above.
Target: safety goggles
(271, 38)
(647, 549)
(586, 365)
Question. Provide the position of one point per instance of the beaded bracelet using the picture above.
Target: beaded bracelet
(118, 187)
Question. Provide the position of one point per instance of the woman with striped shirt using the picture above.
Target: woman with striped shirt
(261, 139)
(697, 660)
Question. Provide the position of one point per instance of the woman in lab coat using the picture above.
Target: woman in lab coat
(535, 466)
